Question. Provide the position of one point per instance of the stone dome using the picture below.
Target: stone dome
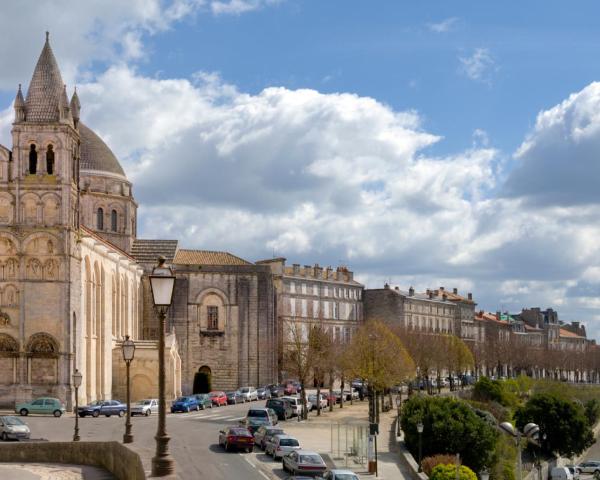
(96, 157)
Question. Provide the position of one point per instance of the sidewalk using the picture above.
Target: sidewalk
(46, 471)
(320, 434)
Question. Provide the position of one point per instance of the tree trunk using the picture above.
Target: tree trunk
(342, 381)
(304, 413)
(318, 395)
(331, 391)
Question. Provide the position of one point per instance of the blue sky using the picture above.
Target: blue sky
(422, 143)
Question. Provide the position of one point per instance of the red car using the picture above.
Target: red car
(218, 398)
(290, 389)
(236, 437)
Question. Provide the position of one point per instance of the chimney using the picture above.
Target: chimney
(397, 289)
(411, 292)
(455, 291)
(430, 293)
(307, 269)
(318, 271)
(328, 272)
(442, 289)
(296, 268)
(444, 297)
(470, 296)
(387, 286)
(498, 315)
(349, 275)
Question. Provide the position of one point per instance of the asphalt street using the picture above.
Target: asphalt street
(194, 441)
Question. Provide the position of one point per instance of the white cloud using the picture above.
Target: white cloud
(479, 65)
(237, 7)
(444, 26)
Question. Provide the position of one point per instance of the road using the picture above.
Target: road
(194, 441)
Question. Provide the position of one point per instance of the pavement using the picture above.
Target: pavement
(194, 444)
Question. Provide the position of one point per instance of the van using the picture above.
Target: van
(560, 473)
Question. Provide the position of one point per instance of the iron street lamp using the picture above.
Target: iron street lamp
(128, 349)
(398, 405)
(420, 431)
(162, 283)
(77, 377)
(484, 475)
(531, 432)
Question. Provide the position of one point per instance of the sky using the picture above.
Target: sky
(427, 143)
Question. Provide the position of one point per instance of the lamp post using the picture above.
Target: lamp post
(420, 431)
(77, 377)
(531, 432)
(484, 474)
(162, 283)
(128, 349)
(398, 405)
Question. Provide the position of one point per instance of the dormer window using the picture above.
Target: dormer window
(32, 160)
(50, 160)
(100, 219)
(113, 220)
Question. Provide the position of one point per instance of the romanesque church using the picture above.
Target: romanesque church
(73, 274)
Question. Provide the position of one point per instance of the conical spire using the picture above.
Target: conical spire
(45, 89)
(75, 107)
(19, 106)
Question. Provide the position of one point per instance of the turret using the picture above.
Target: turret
(75, 108)
(19, 106)
(63, 107)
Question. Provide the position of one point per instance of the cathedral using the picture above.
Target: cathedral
(73, 275)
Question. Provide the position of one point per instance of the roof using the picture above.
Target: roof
(45, 89)
(566, 333)
(451, 296)
(95, 154)
(93, 234)
(207, 257)
(148, 251)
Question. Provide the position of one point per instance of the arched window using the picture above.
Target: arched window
(113, 220)
(32, 160)
(100, 219)
(50, 160)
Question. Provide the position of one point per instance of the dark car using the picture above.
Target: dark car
(264, 393)
(276, 391)
(233, 398)
(103, 407)
(236, 437)
(204, 400)
(281, 407)
(185, 404)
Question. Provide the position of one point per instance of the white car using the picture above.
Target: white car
(145, 407)
(340, 475)
(12, 427)
(296, 404)
(590, 466)
(312, 398)
(248, 393)
(280, 445)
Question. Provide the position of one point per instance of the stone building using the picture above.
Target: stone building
(312, 295)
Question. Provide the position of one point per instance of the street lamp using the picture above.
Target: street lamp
(398, 405)
(162, 283)
(420, 431)
(77, 377)
(484, 475)
(531, 432)
(128, 349)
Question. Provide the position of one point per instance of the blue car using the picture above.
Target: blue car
(103, 407)
(185, 404)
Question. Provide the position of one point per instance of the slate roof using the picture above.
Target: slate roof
(95, 154)
(45, 89)
(148, 251)
(207, 257)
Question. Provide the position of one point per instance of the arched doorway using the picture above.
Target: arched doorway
(203, 380)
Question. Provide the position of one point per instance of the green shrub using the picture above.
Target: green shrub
(500, 413)
(448, 472)
(429, 463)
(450, 426)
(592, 411)
(486, 390)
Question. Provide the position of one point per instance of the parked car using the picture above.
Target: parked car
(43, 406)
(185, 404)
(264, 393)
(312, 398)
(103, 407)
(304, 461)
(332, 398)
(281, 445)
(264, 434)
(560, 473)
(357, 383)
(233, 398)
(13, 428)
(340, 475)
(236, 437)
(249, 393)
(281, 407)
(218, 398)
(574, 471)
(591, 466)
(145, 407)
(296, 404)
(204, 400)
(266, 413)
(290, 389)
(276, 391)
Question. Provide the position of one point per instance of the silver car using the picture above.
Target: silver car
(305, 462)
(590, 466)
(340, 475)
(248, 393)
(13, 428)
(145, 407)
(280, 445)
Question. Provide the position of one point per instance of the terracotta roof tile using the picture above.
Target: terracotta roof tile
(207, 257)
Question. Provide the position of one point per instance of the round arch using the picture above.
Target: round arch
(203, 380)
